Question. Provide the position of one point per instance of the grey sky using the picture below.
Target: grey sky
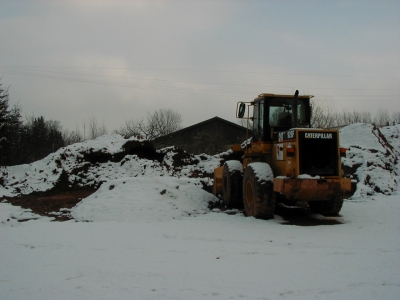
(118, 60)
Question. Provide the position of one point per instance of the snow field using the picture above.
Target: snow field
(205, 256)
(147, 233)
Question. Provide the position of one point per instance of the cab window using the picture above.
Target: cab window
(281, 113)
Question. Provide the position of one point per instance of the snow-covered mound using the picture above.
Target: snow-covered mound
(371, 161)
(392, 135)
(106, 158)
(372, 158)
(144, 199)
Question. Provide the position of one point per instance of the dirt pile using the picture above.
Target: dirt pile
(55, 203)
(91, 163)
(76, 171)
(372, 158)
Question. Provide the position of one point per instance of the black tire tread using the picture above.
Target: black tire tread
(264, 197)
(232, 193)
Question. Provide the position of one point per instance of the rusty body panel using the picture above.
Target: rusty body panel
(311, 189)
(236, 148)
(259, 151)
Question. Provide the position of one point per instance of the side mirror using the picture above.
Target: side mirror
(241, 110)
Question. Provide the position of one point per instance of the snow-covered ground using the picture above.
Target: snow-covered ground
(147, 234)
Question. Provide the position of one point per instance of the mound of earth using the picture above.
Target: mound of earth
(372, 158)
(55, 184)
(91, 163)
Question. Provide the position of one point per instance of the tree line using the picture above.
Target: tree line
(324, 115)
(23, 142)
(27, 141)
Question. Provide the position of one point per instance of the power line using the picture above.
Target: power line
(182, 89)
(193, 82)
(199, 70)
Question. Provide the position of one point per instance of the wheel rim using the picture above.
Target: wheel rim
(249, 193)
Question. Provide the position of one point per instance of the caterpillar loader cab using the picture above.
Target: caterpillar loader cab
(285, 161)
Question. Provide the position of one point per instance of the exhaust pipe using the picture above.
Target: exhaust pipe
(294, 110)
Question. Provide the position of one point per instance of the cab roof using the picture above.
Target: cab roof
(266, 95)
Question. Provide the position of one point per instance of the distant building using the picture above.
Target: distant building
(211, 136)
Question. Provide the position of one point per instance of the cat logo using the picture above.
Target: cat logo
(318, 135)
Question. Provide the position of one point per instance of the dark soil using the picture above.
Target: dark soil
(46, 203)
(61, 201)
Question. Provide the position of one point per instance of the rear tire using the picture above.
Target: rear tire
(331, 207)
(259, 198)
(232, 183)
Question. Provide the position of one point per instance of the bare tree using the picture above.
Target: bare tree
(323, 115)
(96, 129)
(156, 124)
(366, 117)
(91, 130)
(382, 118)
(132, 128)
(345, 118)
(72, 137)
(396, 117)
(162, 122)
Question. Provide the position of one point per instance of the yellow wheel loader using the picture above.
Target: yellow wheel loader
(285, 161)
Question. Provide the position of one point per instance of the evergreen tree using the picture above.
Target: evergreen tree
(40, 138)
(10, 128)
(25, 143)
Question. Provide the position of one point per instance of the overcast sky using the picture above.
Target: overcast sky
(118, 60)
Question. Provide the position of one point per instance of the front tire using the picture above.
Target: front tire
(232, 176)
(258, 196)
